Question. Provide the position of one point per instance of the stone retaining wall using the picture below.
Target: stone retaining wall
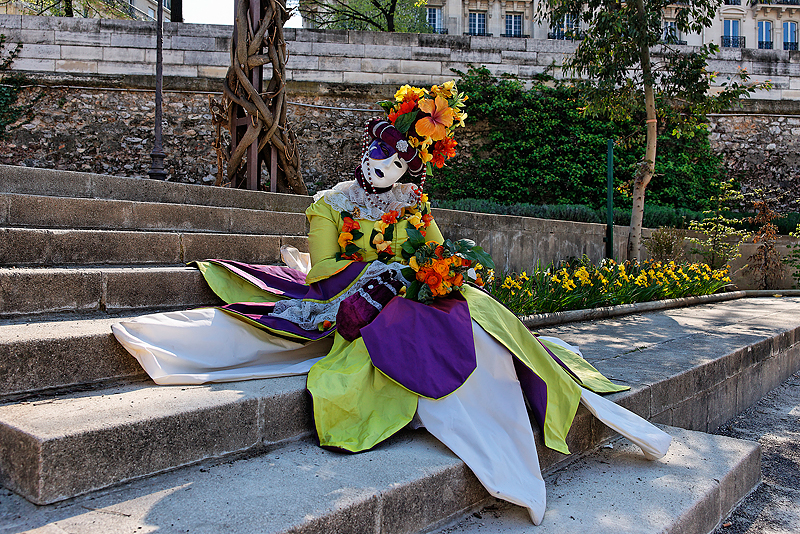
(116, 47)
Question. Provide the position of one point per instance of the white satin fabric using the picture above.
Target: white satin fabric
(208, 345)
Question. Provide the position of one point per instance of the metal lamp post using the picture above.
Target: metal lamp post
(157, 156)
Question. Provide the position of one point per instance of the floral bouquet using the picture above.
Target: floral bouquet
(437, 270)
(428, 119)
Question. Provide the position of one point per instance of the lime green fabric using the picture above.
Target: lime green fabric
(323, 239)
(231, 287)
(563, 394)
(588, 376)
(355, 405)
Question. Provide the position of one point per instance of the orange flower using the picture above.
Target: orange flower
(443, 150)
(423, 273)
(434, 280)
(456, 260)
(438, 251)
(441, 118)
(344, 238)
(427, 219)
(457, 280)
(441, 267)
(349, 225)
(390, 217)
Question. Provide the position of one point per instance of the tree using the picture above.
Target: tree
(632, 70)
(375, 15)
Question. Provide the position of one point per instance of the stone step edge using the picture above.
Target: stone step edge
(33, 247)
(72, 184)
(410, 484)
(605, 312)
(585, 433)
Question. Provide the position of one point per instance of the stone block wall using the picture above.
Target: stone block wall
(115, 47)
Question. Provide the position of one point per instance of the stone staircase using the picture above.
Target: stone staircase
(83, 427)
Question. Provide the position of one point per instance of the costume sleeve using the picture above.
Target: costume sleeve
(323, 242)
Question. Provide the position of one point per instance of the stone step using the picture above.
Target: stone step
(38, 247)
(688, 367)
(615, 490)
(30, 211)
(48, 182)
(27, 290)
(40, 355)
(410, 484)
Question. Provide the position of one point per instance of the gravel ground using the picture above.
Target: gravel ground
(774, 507)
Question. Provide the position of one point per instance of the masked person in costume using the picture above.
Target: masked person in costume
(386, 333)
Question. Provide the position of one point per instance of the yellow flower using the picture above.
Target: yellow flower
(459, 116)
(380, 226)
(413, 263)
(415, 220)
(383, 245)
(377, 239)
(401, 93)
(524, 276)
(445, 90)
(424, 198)
(344, 237)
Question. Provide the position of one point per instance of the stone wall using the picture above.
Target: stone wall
(115, 47)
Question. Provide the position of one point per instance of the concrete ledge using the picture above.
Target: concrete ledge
(36, 247)
(22, 210)
(614, 490)
(48, 182)
(46, 290)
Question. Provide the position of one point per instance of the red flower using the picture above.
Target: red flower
(443, 150)
(465, 262)
(427, 219)
(405, 107)
(349, 225)
(355, 257)
(390, 217)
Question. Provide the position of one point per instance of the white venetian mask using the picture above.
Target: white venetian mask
(381, 165)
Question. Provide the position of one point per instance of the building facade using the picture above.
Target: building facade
(764, 24)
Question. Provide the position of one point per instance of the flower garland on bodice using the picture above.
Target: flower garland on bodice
(403, 202)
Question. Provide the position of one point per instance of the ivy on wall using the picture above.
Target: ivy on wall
(537, 146)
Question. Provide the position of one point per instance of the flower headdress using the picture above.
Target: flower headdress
(428, 118)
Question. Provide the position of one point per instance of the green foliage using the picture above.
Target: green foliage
(792, 259)
(10, 87)
(655, 216)
(666, 244)
(541, 148)
(372, 15)
(721, 240)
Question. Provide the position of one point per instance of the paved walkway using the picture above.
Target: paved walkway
(774, 507)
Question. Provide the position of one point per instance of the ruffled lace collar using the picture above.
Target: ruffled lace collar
(346, 196)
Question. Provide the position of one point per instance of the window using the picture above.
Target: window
(513, 25)
(151, 13)
(790, 36)
(477, 23)
(435, 19)
(566, 28)
(167, 4)
(731, 37)
(671, 33)
(764, 34)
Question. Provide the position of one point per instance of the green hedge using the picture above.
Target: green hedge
(541, 149)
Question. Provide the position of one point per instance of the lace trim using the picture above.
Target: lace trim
(346, 196)
(308, 315)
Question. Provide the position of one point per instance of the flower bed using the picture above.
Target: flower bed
(582, 285)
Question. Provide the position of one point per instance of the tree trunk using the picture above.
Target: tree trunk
(647, 166)
(68, 12)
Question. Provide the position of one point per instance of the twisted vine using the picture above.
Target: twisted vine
(265, 111)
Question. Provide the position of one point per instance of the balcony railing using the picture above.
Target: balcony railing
(733, 2)
(789, 46)
(765, 45)
(478, 34)
(672, 40)
(442, 31)
(518, 35)
(575, 35)
(732, 41)
(778, 2)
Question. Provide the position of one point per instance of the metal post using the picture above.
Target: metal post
(610, 201)
(157, 156)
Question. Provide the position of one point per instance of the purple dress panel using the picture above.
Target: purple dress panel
(258, 313)
(535, 390)
(426, 349)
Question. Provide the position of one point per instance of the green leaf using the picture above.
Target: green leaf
(409, 248)
(415, 237)
(387, 105)
(405, 121)
(357, 234)
(412, 292)
(351, 249)
(409, 273)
